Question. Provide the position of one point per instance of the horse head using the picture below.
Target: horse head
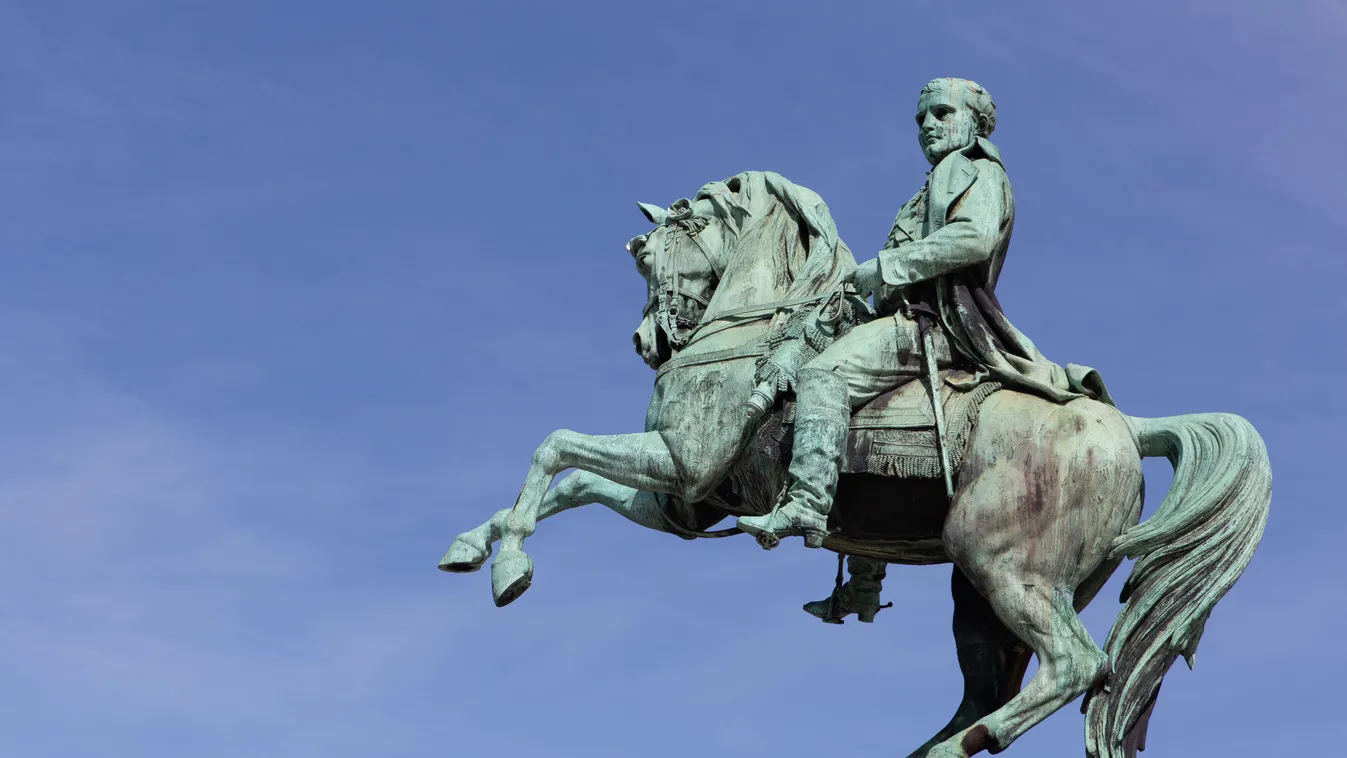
(681, 261)
(755, 239)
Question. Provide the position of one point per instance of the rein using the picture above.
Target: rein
(752, 349)
(667, 297)
(669, 293)
(691, 534)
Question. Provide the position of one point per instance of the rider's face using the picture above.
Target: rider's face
(944, 124)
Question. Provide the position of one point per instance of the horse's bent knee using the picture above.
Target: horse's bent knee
(1093, 667)
(580, 487)
(548, 455)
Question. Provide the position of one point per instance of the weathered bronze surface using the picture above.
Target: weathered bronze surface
(785, 399)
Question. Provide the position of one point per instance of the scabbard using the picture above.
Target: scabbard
(924, 325)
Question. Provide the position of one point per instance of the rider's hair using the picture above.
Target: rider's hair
(976, 98)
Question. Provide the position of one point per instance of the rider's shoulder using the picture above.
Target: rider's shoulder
(984, 156)
(986, 160)
(982, 149)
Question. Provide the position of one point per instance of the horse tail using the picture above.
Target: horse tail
(1188, 555)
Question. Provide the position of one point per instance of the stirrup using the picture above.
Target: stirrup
(769, 539)
(813, 538)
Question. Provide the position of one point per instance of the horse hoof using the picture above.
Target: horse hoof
(945, 750)
(464, 557)
(511, 575)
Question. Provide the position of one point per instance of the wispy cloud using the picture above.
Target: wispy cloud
(162, 574)
(291, 289)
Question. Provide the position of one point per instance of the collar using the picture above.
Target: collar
(981, 148)
(988, 149)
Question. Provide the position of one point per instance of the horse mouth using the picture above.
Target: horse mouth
(663, 352)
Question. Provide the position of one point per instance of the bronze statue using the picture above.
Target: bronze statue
(783, 398)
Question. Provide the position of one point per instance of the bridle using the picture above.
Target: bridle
(670, 297)
(666, 303)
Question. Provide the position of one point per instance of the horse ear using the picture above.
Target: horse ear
(656, 214)
(635, 244)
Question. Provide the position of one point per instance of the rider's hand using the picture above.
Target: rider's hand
(866, 278)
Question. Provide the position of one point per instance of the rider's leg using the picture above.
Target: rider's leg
(870, 360)
(818, 450)
(860, 595)
(882, 359)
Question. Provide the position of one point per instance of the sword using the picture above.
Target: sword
(924, 325)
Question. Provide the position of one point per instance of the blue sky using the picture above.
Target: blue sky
(291, 290)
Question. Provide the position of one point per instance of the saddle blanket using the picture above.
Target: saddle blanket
(894, 434)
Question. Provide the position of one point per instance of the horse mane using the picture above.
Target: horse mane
(786, 244)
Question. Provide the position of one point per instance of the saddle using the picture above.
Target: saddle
(894, 435)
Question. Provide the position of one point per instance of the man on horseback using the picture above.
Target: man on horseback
(942, 259)
(741, 285)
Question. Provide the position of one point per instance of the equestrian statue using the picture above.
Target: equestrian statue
(891, 413)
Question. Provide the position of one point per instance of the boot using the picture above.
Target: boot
(822, 416)
(860, 595)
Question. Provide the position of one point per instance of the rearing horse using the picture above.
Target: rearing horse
(1047, 500)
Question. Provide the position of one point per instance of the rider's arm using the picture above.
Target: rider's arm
(975, 226)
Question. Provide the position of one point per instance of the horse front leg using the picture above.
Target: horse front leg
(471, 549)
(641, 462)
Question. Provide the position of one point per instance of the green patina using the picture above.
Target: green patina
(770, 361)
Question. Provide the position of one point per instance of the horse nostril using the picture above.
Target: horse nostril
(636, 341)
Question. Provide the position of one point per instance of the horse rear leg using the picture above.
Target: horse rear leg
(1048, 489)
(1070, 662)
(992, 660)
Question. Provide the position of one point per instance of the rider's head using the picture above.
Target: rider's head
(951, 115)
